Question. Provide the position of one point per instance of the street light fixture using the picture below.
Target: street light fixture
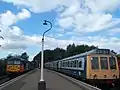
(42, 84)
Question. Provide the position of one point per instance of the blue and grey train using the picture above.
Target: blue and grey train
(95, 66)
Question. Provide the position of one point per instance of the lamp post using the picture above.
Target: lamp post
(42, 84)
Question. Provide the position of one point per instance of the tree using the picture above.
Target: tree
(24, 56)
(59, 53)
(113, 52)
(9, 56)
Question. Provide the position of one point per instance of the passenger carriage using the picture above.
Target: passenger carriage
(95, 66)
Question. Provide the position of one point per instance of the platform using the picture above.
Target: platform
(53, 82)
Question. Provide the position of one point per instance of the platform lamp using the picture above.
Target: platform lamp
(42, 84)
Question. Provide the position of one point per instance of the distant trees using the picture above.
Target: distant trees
(9, 56)
(24, 56)
(2, 67)
(59, 53)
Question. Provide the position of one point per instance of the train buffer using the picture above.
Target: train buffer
(54, 81)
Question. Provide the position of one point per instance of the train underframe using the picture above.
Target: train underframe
(13, 74)
(105, 82)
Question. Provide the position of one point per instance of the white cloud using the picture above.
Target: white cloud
(92, 22)
(74, 8)
(15, 39)
(83, 15)
(113, 31)
(21, 42)
(66, 22)
(89, 15)
(8, 18)
(102, 5)
(24, 14)
(41, 5)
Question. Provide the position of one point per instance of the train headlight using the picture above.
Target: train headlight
(95, 76)
(105, 76)
(114, 75)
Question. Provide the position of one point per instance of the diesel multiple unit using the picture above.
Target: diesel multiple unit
(95, 66)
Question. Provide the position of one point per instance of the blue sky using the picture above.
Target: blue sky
(74, 21)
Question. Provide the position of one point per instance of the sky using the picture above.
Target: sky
(91, 22)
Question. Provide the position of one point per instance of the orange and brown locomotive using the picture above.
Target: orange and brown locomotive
(16, 66)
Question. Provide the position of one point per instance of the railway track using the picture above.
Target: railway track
(4, 79)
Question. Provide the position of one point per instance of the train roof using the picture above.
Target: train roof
(94, 51)
(18, 59)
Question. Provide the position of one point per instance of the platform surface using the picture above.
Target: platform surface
(53, 82)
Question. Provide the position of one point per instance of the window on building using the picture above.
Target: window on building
(95, 63)
(104, 62)
(112, 63)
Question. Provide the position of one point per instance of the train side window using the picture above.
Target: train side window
(80, 64)
(95, 63)
(68, 63)
(60, 63)
(71, 63)
(63, 64)
(112, 63)
(74, 63)
(104, 62)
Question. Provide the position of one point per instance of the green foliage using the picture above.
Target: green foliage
(9, 56)
(24, 56)
(2, 67)
(59, 53)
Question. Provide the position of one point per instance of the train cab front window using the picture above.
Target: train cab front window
(112, 63)
(16, 62)
(95, 63)
(104, 62)
(10, 62)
